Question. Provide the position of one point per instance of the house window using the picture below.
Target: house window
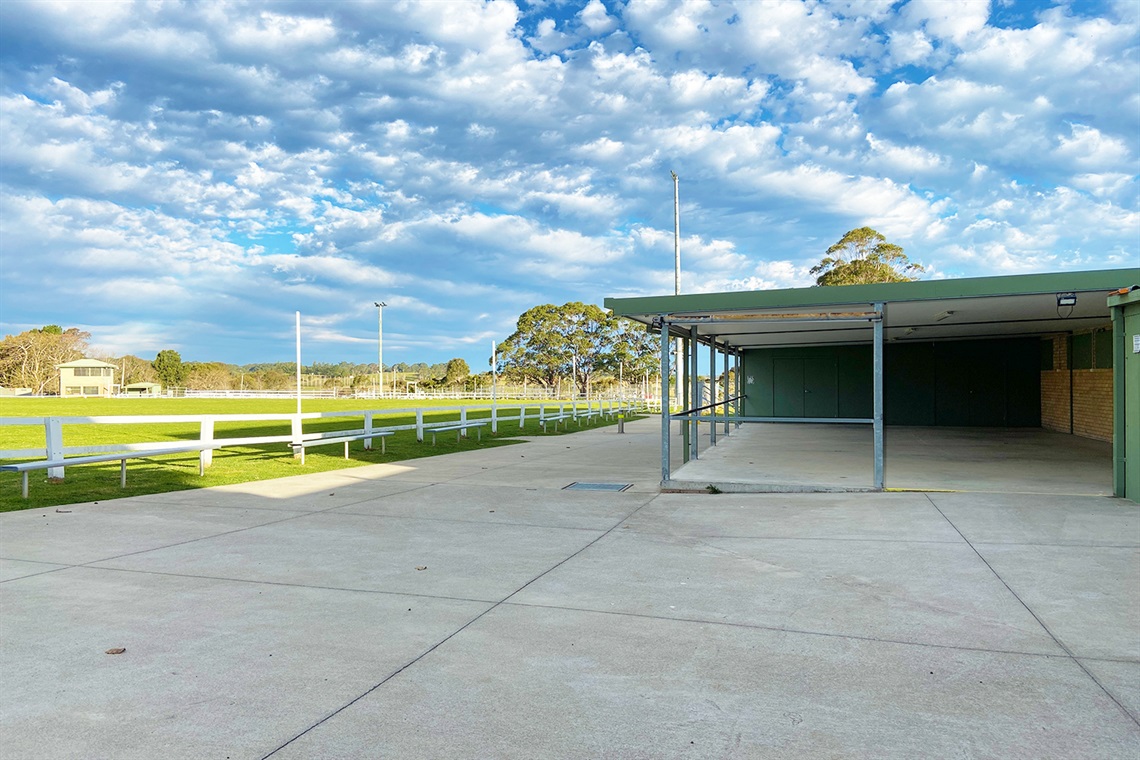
(91, 390)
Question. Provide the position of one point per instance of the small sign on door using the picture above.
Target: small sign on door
(1136, 344)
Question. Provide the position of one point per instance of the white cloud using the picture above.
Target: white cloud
(238, 162)
(1087, 148)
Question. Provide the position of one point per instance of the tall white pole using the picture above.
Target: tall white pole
(676, 235)
(380, 343)
(677, 270)
(298, 362)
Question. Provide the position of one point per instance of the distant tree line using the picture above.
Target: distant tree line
(30, 360)
(572, 347)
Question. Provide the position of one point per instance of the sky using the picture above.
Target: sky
(188, 176)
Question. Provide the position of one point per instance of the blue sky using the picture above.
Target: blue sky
(189, 175)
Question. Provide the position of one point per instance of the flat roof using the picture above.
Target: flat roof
(977, 307)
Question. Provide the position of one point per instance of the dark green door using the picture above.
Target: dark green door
(788, 387)
(805, 388)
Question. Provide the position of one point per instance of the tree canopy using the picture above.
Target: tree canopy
(864, 256)
(576, 341)
(29, 360)
(168, 366)
(456, 372)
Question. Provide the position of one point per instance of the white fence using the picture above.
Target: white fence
(55, 449)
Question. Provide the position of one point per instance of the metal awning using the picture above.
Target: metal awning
(987, 307)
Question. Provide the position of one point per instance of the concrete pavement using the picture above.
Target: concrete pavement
(467, 606)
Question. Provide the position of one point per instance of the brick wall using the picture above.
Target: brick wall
(1092, 403)
(1091, 410)
(1055, 390)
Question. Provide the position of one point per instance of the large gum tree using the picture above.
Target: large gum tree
(864, 256)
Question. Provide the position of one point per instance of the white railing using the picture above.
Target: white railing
(54, 448)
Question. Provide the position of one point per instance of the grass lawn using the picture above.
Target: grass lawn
(175, 472)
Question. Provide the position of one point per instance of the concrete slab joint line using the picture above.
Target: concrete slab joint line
(468, 605)
(1132, 716)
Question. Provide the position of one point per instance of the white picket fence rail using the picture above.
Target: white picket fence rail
(54, 448)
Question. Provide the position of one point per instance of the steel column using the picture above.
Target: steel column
(727, 393)
(694, 393)
(665, 401)
(712, 393)
(878, 414)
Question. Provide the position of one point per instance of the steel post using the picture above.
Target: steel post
(878, 416)
(664, 401)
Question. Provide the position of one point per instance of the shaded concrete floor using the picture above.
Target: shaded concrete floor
(467, 606)
(775, 456)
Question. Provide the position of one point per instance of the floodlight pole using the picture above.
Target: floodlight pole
(677, 266)
(380, 343)
(298, 362)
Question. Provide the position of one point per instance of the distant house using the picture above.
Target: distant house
(86, 377)
(143, 389)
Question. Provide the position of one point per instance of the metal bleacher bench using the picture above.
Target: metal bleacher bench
(555, 418)
(577, 416)
(345, 439)
(43, 464)
(457, 428)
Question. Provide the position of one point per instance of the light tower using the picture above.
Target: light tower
(380, 343)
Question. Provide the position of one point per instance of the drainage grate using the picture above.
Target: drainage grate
(598, 486)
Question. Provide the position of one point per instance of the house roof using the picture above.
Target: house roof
(923, 310)
(85, 363)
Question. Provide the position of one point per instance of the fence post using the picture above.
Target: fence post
(463, 420)
(522, 416)
(298, 435)
(420, 425)
(368, 429)
(206, 435)
(53, 444)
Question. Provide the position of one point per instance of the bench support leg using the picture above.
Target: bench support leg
(122, 473)
(24, 484)
(346, 449)
(383, 446)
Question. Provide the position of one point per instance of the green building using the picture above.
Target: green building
(1043, 351)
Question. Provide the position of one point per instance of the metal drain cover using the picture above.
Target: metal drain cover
(598, 486)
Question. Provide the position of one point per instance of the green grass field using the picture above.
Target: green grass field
(175, 472)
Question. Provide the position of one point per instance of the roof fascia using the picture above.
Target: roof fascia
(894, 292)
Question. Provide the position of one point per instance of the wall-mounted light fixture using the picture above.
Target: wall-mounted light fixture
(1066, 301)
(943, 315)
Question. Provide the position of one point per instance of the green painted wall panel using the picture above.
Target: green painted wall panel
(855, 374)
(908, 384)
(1131, 414)
(1023, 384)
(787, 387)
(995, 383)
(820, 387)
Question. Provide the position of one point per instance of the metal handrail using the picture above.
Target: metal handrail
(707, 406)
